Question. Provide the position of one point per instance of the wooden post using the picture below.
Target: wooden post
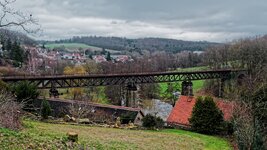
(72, 136)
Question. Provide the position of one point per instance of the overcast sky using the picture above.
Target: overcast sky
(211, 20)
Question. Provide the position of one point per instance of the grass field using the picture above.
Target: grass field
(39, 135)
(75, 46)
(193, 69)
(197, 85)
(67, 45)
(98, 96)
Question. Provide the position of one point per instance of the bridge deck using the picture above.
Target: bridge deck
(66, 81)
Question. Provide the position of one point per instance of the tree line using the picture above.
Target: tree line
(249, 93)
(150, 44)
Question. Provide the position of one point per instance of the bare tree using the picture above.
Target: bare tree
(9, 111)
(79, 110)
(15, 18)
(243, 120)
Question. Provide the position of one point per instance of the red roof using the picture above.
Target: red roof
(183, 109)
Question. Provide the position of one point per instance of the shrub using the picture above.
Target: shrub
(159, 122)
(3, 86)
(228, 127)
(150, 121)
(45, 109)
(127, 117)
(206, 117)
(9, 111)
(25, 93)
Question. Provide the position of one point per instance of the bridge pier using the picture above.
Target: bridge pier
(130, 98)
(187, 88)
(53, 91)
(221, 87)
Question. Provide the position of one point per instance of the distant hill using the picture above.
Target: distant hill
(13, 35)
(151, 44)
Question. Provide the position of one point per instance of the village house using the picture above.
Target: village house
(121, 58)
(67, 56)
(198, 52)
(183, 108)
(99, 59)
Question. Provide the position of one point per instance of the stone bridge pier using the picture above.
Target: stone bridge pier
(187, 88)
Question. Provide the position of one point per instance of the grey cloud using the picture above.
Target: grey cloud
(211, 20)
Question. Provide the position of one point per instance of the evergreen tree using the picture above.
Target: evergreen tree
(108, 57)
(8, 45)
(90, 56)
(17, 54)
(206, 116)
(103, 52)
(43, 46)
(25, 93)
(45, 109)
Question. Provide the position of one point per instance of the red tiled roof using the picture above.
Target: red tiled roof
(183, 109)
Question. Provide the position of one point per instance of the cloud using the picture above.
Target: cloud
(184, 19)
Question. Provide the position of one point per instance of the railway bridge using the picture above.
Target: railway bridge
(128, 81)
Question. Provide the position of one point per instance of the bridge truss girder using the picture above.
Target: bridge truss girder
(74, 81)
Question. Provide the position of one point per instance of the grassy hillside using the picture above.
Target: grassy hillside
(39, 135)
(67, 45)
(75, 46)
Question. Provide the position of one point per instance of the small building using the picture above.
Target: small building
(67, 56)
(198, 52)
(77, 56)
(99, 59)
(121, 58)
(183, 108)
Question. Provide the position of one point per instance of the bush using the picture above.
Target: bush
(25, 93)
(9, 111)
(150, 121)
(3, 86)
(228, 127)
(127, 117)
(45, 109)
(206, 116)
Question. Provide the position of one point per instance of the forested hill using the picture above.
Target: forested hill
(151, 44)
(16, 36)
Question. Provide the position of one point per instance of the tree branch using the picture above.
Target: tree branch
(13, 18)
